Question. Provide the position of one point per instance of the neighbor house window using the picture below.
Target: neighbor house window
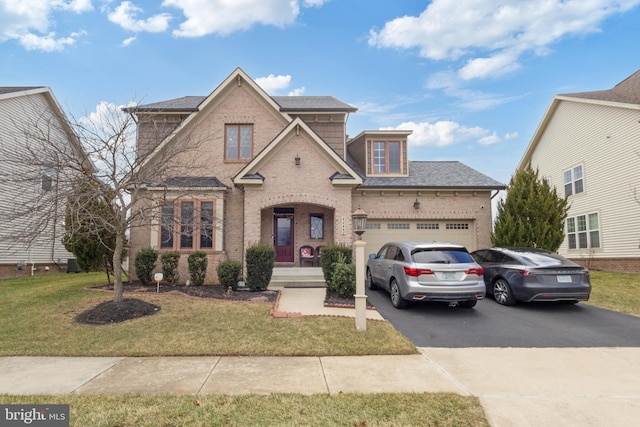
(573, 181)
(47, 176)
(187, 225)
(239, 142)
(387, 157)
(583, 231)
(317, 226)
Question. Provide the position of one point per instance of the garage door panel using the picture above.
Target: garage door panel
(380, 232)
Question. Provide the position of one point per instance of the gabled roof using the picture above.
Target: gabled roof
(250, 173)
(237, 77)
(625, 94)
(436, 175)
(286, 104)
(12, 91)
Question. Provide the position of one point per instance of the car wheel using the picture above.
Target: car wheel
(396, 299)
(502, 292)
(370, 283)
(470, 303)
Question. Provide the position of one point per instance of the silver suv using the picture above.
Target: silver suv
(426, 271)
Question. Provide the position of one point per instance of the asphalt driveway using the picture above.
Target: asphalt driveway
(489, 324)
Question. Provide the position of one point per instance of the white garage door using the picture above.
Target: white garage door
(379, 232)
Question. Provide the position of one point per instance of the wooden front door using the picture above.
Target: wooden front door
(283, 238)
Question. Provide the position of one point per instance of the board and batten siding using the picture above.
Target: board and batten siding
(605, 140)
(24, 109)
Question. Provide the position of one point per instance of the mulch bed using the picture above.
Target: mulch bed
(133, 308)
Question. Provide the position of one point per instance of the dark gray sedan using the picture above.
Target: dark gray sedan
(426, 271)
(529, 274)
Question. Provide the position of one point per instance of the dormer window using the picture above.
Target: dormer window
(387, 157)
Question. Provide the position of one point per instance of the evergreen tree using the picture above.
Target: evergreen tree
(532, 214)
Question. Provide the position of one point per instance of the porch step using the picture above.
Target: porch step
(297, 277)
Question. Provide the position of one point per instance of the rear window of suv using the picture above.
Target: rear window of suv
(441, 256)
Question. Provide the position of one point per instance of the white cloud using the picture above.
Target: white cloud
(29, 22)
(226, 16)
(493, 35)
(444, 133)
(273, 83)
(128, 41)
(125, 16)
(48, 43)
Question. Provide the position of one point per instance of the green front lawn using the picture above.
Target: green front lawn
(616, 291)
(37, 319)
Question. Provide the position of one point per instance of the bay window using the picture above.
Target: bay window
(187, 225)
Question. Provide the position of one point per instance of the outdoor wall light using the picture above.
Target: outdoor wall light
(416, 204)
(297, 160)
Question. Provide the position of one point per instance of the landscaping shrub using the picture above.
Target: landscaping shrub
(145, 262)
(229, 273)
(330, 255)
(169, 261)
(197, 267)
(343, 280)
(260, 260)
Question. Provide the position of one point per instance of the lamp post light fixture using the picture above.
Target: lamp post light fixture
(359, 224)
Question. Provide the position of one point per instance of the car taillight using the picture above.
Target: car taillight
(415, 272)
(478, 271)
(526, 273)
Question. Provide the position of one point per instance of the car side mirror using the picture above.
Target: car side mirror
(372, 256)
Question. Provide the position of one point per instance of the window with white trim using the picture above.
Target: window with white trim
(583, 231)
(573, 181)
(387, 157)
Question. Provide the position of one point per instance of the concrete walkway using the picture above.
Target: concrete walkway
(516, 387)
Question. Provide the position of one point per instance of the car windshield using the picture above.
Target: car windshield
(440, 256)
(544, 259)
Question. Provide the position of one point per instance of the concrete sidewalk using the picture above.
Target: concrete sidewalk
(516, 387)
(543, 387)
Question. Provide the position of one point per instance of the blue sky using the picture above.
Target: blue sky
(471, 78)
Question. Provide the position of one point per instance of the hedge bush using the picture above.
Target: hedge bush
(169, 261)
(332, 254)
(229, 273)
(260, 259)
(145, 262)
(343, 280)
(197, 267)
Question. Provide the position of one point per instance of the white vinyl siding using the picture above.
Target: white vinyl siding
(604, 140)
(17, 111)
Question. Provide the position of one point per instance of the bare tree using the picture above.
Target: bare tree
(102, 162)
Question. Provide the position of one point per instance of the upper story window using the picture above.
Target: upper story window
(387, 158)
(239, 143)
(573, 181)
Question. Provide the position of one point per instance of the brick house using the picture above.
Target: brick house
(281, 170)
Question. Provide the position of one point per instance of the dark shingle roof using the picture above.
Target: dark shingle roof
(10, 89)
(431, 174)
(627, 92)
(286, 103)
(193, 181)
(312, 103)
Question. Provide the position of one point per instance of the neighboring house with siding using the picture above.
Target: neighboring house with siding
(25, 112)
(588, 147)
(281, 170)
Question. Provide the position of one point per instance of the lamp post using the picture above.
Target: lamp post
(359, 223)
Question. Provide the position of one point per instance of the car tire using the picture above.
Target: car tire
(370, 283)
(396, 299)
(470, 303)
(502, 292)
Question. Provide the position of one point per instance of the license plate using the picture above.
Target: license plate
(564, 279)
(449, 275)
